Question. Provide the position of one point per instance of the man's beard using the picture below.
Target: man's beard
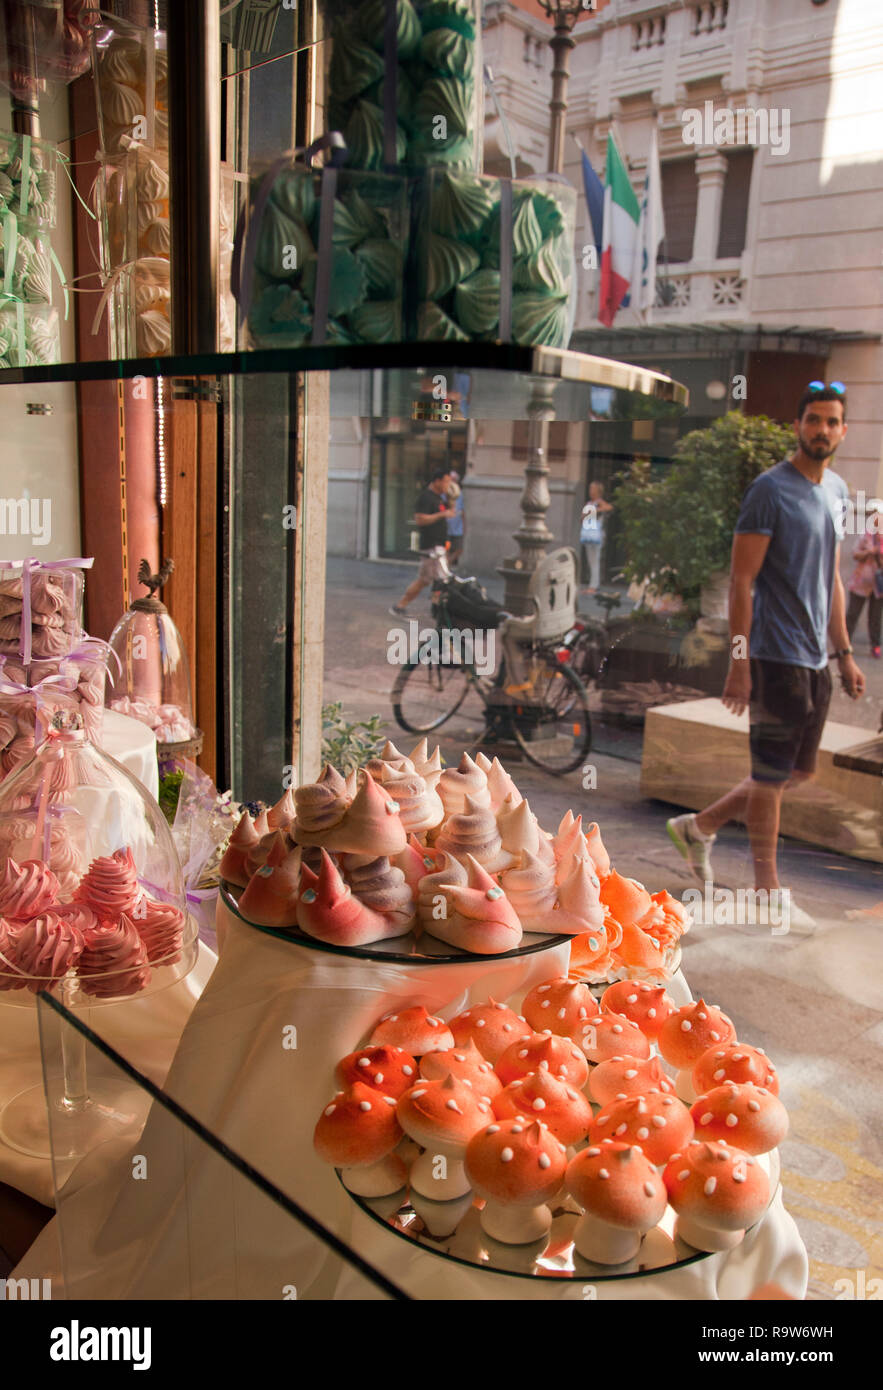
(817, 452)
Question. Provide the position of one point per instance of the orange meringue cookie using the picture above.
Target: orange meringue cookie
(413, 1029)
(464, 1064)
(647, 1005)
(748, 1116)
(637, 954)
(541, 1096)
(659, 1124)
(622, 1197)
(517, 1167)
(621, 1077)
(328, 910)
(442, 1116)
(244, 837)
(692, 1030)
(734, 1062)
(491, 1026)
(603, 1036)
(479, 917)
(627, 899)
(562, 1005)
(359, 1126)
(390, 1070)
(543, 1052)
(717, 1191)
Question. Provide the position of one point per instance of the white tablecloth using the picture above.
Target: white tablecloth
(197, 1229)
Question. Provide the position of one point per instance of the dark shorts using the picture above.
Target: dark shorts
(789, 705)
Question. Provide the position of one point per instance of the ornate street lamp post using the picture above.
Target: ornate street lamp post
(533, 536)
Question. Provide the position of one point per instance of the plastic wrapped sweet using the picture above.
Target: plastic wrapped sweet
(29, 335)
(28, 179)
(371, 18)
(364, 136)
(347, 281)
(540, 319)
(434, 324)
(477, 302)
(100, 892)
(148, 674)
(284, 244)
(461, 206)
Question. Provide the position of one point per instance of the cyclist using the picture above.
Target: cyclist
(432, 515)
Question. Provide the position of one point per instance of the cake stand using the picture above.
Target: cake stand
(80, 1112)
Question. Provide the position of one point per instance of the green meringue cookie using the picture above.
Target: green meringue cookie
(541, 272)
(347, 284)
(382, 264)
(5, 188)
(41, 337)
(448, 97)
(549, 213)
(294, 193)
(364, 137)
(353, 67)
(447, 52)
(379, 321)
(527, 238)
(284, 244)
(477, 301)
(434, 324)
(371, 19)
(406, 98)
(539, 320)
(447, 263)
(281, 312)
(457, 152)
(37, 284)
(355, 219)
(448, 14)
(338, 334)
(461, 205)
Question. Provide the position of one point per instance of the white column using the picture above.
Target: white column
(711, 169)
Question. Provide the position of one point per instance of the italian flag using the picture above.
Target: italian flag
(621, 218)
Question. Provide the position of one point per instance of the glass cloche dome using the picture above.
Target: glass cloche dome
(148, 674)
(91, 888)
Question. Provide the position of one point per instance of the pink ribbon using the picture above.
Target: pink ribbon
(29, 567)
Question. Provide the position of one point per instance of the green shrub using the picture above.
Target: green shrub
(678, 528)
(348, 745)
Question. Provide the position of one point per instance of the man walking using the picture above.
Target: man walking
(786, 544)
(431, 515)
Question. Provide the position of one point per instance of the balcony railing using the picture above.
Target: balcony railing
(691, 294)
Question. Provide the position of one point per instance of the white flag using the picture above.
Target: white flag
(651, 231)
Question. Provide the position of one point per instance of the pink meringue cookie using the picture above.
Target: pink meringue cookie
(327, 910)
(474, 832)
(415, 861)
(434, 887)
(46, 948)
(114, 960)
(429, 767)
(259, 854)
(280, 816)
(467, 779)
(319, 807)
(500, 786)
(382, 887)
(531, 890)
(110, 886)
(579, 904)
(370, 827)
(519, 828)
(233, 864)
(270, 896)
(420, 809)
(161, 928)
(600, 857)
(78, 914)
(11, 975)
(479, 917)
(26, 889)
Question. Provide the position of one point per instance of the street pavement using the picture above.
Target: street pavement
(814, 1002)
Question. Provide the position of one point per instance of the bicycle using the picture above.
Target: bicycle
(543, 707)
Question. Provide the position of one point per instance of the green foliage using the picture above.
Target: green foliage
(347, 745)
(678, 528)
(169, 791)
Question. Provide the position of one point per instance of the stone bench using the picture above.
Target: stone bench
(695, 751)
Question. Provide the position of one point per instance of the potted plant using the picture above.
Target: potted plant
(678, 528)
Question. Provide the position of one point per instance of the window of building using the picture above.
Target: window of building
(557, 445)
(734, 208)
(679, 193)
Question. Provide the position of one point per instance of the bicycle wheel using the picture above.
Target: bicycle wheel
(552, 727)
(424, 697)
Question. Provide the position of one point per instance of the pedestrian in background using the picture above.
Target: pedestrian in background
(591, 533)
(431, 517)
(866, 583)
(457, 522)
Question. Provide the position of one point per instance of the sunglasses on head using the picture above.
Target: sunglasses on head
(827, 386)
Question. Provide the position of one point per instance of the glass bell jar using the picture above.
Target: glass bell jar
(148, 672)
(92, 906)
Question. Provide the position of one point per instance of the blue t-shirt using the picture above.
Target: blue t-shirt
(455, 523)
(793, 591)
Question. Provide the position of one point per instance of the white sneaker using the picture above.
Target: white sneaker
(792, 918)
(692, 844)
